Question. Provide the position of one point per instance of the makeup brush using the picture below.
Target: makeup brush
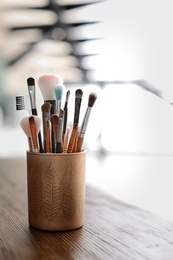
(32, 95)
(60, 132)
(65, 113)
(45, 108)
(35, 123)
(24, 123)
(47, 84)
(59, 90)
(91, 100)
(78, 99)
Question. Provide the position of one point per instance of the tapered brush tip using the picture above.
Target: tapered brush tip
(47, 84)
(91, 100)
(31, 81)
(46, 107)
(78, 93)
(59, 90)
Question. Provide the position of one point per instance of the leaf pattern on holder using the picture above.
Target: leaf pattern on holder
(81, 191)
(69, 202)
(35, 195)
(52, 193)
(39, 198)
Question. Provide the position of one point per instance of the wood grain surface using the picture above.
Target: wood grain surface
(112, 230)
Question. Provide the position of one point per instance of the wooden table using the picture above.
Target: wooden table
(112, 230)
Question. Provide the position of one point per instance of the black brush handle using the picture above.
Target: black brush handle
(65, 118)
(77, 110)
(34, 112)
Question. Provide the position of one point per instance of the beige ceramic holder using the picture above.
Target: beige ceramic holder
(56, 190)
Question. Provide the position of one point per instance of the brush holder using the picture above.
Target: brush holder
(56, 190)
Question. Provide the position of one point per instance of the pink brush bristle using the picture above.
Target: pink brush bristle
(47, 84)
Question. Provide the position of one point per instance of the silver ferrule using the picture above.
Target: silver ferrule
(60, 129)
(32, 96)
(58, 107)
(85, 121)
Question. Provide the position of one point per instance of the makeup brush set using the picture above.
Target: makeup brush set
(56, 136)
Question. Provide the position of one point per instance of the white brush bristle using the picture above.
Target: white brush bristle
(47, 84)
(38, 123)
(24, 123)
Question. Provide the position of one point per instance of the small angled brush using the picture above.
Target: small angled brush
(78, 99)
(45, 108)
(59, 90)
(35, 123)
(32, 95)
(91, 100)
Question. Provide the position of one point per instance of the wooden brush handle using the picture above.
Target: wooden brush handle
(79, 143)
(72, 140)
(34, 138)
(34, 112)
(65, 141)
(48, 138)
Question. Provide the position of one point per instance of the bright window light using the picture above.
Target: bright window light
(136, 121)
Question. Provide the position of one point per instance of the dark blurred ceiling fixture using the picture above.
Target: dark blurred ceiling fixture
(53, 28)
(58, 31)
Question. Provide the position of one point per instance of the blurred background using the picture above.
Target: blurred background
(120, 49)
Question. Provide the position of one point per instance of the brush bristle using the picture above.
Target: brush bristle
(47, 84)
(59, 90)
(46, 107)
(24, 123)
(62, 112)
(78, 93)
(31, 81)
(91, 100)
(37, 121)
